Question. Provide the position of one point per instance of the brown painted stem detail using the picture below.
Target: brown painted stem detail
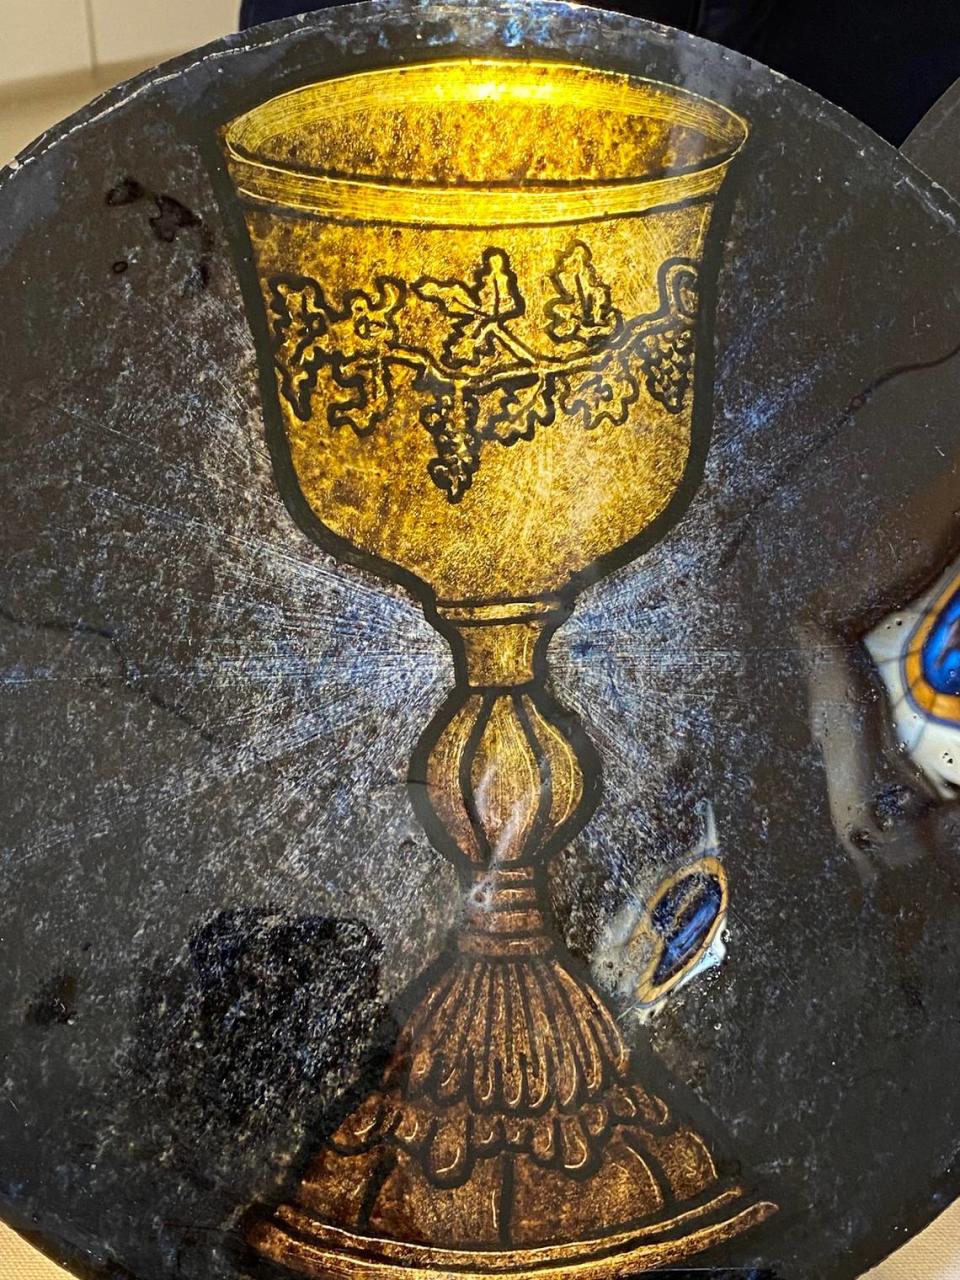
(502, 775)
(508, 1117)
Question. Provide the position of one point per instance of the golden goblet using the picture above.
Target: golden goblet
(475, 290)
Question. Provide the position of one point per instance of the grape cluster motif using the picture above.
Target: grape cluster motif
(484, 383)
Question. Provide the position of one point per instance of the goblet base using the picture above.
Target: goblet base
(512, 1136)
(301, 1243)
(511, 1133)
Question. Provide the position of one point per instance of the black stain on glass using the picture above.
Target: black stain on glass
(169, 219)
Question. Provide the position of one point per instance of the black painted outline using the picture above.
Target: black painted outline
(244, 98)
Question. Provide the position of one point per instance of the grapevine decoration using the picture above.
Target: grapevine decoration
(485, 383)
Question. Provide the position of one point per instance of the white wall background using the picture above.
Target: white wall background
(49, 38)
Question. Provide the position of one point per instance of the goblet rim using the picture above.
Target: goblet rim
(262, 179)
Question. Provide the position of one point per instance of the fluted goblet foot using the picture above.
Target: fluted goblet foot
(510, 1132)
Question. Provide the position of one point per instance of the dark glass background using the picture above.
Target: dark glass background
(213, 890)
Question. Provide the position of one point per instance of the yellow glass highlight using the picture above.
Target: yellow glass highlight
(429, 172)
(475, 286)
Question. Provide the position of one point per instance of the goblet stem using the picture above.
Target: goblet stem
(503, 775)
(509, 1124)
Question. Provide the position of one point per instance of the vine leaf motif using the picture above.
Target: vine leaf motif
(665, 349)
(450, 416)
(479, 313)
(371, 395)
(581, 311)
(601, 394)
(522, 404)
(354, 341)
(666, 361)
(299, 313)
(486, 383)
